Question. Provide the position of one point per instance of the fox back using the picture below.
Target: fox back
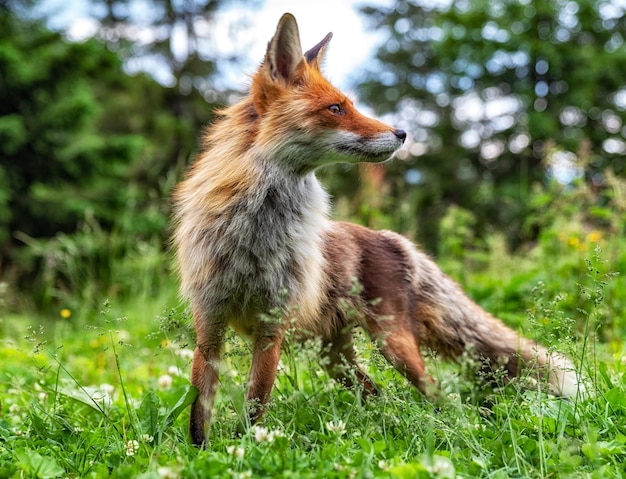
(256, 250)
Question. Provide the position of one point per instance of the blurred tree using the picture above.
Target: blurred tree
(79, 138)
(87, 150)
(173, 40)
(491, 89)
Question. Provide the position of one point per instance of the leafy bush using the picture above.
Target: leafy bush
(88, 155)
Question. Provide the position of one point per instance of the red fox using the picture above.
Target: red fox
(253, 236)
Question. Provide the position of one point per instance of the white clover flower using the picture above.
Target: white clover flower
(132, 447)
(107, 389)
(260, 433)
(167, 473)
(275, 434)
(173, 371)
(338, 428)
(185, 353)
(442, 467)
(98, 396)
(147, 438)
(165, 381)
(238, 452)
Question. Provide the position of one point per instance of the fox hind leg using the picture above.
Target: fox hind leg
(341, 362)
(401, 349)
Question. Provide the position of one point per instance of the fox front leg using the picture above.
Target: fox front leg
(265, 358)
(205, 375)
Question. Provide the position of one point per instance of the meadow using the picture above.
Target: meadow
(98, 385)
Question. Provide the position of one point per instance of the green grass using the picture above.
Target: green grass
(105, 391)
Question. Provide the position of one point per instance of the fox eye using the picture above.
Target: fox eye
(336, 109)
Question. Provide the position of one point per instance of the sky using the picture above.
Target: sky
(349, 50)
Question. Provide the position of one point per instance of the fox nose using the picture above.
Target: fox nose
(401, 134)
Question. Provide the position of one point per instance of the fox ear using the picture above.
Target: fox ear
(284, 53)
(315, 55)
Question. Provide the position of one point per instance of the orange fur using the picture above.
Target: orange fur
(253, 237)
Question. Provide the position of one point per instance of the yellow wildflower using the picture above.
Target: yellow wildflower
(573, 241)
(65, 313)
(594, 237)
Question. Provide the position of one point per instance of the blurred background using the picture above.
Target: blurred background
(515, 111)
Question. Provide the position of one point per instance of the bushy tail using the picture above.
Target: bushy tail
(559, 371)
(457, 324)
(498, 343)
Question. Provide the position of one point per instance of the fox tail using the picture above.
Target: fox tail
(455, 324)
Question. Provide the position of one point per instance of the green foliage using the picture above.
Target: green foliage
(103, 392)
(88, 155)
(100, 389)
(53, 141)
(485, 88)
(113, 401)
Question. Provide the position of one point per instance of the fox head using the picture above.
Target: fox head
(304, 121)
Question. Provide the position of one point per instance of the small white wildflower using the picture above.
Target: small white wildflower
(442, 467)
(165, 381)
(260, 434)
(235, 451)
(167, 473)
(107, 389)
(275, 434)
(454, 396)
(173, 371)
(42, 396)
(147, 438)
(99, 397)
(132, 447)
(338, 428)
(186, 354)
